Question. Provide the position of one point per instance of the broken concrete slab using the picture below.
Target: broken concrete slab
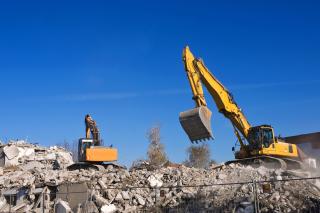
(62, 207)
(3, 202)
(74, 193)
(19, 152)
(140, 199)
(11, 152)
(125, 195)
(108, 208)
(32, 165)
(155, 180)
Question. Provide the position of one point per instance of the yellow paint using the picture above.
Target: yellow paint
(281, 149)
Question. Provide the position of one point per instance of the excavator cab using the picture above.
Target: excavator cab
(261, 136)
(83, 145)
(197, 123)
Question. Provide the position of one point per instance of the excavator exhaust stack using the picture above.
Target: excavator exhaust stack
(197, 124)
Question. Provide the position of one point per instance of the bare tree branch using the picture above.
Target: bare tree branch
(156, 153)
(198, 156)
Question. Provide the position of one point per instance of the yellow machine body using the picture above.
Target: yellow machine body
(280, 149)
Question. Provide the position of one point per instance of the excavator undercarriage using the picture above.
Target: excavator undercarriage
(269, 162)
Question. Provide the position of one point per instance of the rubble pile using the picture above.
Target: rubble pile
(27, 156)
(115, 189)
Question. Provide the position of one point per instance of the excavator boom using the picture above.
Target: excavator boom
(197, 122)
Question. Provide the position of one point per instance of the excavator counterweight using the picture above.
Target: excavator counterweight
(197, 123)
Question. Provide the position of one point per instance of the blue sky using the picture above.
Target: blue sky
(121, 62)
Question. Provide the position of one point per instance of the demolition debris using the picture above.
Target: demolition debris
(36, 178)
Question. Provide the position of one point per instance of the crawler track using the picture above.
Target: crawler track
(269, 162)
(94, 166)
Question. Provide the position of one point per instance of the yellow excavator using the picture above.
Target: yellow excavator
(258, 144)
(90, 152)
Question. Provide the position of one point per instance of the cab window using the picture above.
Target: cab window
(267, 137)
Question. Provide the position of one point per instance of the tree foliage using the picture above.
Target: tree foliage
(156, 152)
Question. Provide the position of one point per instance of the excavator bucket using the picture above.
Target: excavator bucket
(197, 124)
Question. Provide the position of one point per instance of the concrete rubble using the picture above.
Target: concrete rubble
(31, 181)
(28, 156)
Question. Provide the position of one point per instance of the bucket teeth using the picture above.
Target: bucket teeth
(197, 124)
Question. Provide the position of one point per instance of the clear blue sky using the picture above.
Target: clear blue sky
(121, 62)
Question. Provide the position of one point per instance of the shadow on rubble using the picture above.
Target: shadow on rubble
(315, 205)
(204, 205)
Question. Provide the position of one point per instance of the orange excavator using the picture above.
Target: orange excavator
(91, 153)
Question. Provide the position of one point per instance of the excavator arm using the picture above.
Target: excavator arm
(92, 130)
(197, 74)
(194, 78)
